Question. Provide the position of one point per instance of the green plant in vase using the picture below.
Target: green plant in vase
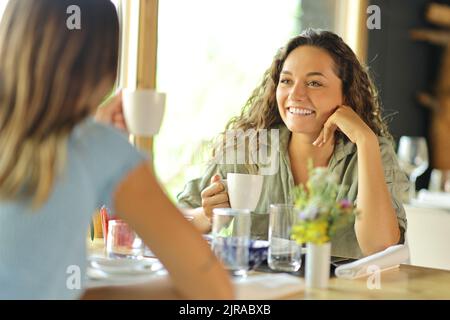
(320, 215)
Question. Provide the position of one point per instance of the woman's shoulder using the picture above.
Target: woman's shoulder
(386, 145)
(98, 144)
(346, 152)
(387, 150)
(90, 131)
(95, 138)
(385, 142)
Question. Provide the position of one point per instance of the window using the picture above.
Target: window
(211, 55)
(3, 4)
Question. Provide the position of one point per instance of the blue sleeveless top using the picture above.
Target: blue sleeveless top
(42, 251)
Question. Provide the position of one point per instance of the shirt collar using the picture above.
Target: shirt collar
(342, 149)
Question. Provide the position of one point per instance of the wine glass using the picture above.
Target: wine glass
(413, 159)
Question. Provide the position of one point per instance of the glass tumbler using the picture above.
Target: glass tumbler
(231, 238)
(284, 253)
(122, 241)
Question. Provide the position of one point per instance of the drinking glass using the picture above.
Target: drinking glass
(106, 217)
(413, 159)
(284, 253)
(123, 242)
(231, 238)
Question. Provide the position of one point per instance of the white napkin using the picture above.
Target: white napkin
(390, 258)
(267, 286)
(433, 199)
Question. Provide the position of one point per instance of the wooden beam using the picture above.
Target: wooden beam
(129, 11)
(147, 47)
(428, 101)
(443, 81)
(362, 37)
(439, 14)
(351, 25)
(434, 36)
(146, 63)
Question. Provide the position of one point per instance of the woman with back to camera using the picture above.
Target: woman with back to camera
(326, 108)
(58, 165)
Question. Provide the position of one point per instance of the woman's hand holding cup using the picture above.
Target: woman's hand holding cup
(111, 112)
(214, 196)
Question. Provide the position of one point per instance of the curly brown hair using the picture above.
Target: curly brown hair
(359, 92)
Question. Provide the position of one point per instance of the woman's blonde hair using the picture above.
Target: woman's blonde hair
(48, 76)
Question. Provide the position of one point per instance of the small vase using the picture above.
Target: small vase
(318, 258)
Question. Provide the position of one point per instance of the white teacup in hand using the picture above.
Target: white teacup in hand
(244, 190)
(143, 111)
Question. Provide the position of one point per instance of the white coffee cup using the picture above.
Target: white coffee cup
(143, 110)
(244, 190)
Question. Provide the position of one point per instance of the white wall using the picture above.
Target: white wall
(428, 237)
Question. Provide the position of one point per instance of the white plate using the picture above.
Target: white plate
(98, 278)
(125, 266)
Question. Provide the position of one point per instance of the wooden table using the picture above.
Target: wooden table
(405, 282)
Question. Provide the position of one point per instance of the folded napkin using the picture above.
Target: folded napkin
(384, 260)
(433, 199)
(267, 286)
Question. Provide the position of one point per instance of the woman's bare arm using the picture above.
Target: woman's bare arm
(194, 270)
(377, 228)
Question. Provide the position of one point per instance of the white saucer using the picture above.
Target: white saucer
(125, 266)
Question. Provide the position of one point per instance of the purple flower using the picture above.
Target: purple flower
(309, 213)
(345, 204)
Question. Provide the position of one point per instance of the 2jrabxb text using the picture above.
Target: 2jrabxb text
(227, 310)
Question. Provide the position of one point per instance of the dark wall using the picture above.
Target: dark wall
(402, 67)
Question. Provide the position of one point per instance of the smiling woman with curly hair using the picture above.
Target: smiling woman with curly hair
(326, 107)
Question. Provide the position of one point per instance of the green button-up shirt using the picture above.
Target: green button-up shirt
(277, 188)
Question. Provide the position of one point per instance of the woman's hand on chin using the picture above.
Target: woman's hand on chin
(348, 122)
